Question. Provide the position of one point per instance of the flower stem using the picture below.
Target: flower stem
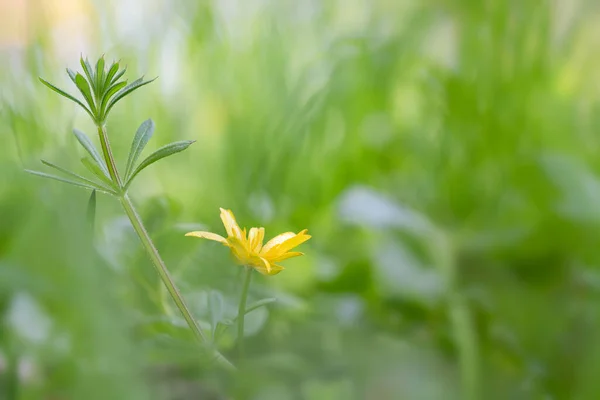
(165, 276)
(159, 264)
(242, 311)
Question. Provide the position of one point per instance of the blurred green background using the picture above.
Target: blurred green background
(442, 153)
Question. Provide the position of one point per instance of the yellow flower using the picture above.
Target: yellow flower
(250, 250)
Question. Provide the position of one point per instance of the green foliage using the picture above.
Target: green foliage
(140, 140)
(442, 154)
(165, 151)
(87, 144)
(101, 91)
(100, 88)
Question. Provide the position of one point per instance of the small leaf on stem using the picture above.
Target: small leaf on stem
(87, 144)
(60, 179)
(94, 169)
(67, 95)
(163, 152)
(141, 138)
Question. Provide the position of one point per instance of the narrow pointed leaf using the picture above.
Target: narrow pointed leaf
(126, 90)
(99, 77)
(114, 68)
(142, 136)
(67, 95)
(87, 144)
(94, 169)
(60, 179)
(76, 177)
(163, 152)
(91, 212)
(257, 304)
(109, 93)
(85, 90)
(72, 75)
(87, 68)
(118, 75)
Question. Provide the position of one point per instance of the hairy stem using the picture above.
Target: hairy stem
(242, 311)
(108, 156)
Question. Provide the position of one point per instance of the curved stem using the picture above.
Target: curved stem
(157, 261)
(165, 276)
(108, 156)
(242, 311)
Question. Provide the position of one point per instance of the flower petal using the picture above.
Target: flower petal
(208, 235)
(288, 243)
(231, 225)
(277, 240)
(255, 238)
(240, 250)
(287, 255)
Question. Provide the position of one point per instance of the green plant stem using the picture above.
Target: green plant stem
(157, 261)
(108, 156)
(463, 327)
(165, 276)
(242, 311)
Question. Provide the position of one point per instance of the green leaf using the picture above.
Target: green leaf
(87, 68)
(109, 93)
(72, 75)
(67, 95)
(258, 304)
(77, 177)
(58, 178)
(100, 77)
(84, 88)
(87, 144)
(118, 75)
(126, 90)
(142, 136)
(94, 169)
(163, 152)
(91, 212)
(114, 68)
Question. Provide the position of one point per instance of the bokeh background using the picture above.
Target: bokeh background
(444, 154)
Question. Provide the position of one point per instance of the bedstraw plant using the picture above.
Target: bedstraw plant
(102, 88)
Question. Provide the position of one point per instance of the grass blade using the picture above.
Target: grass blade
(141, 138)
(161, 153)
